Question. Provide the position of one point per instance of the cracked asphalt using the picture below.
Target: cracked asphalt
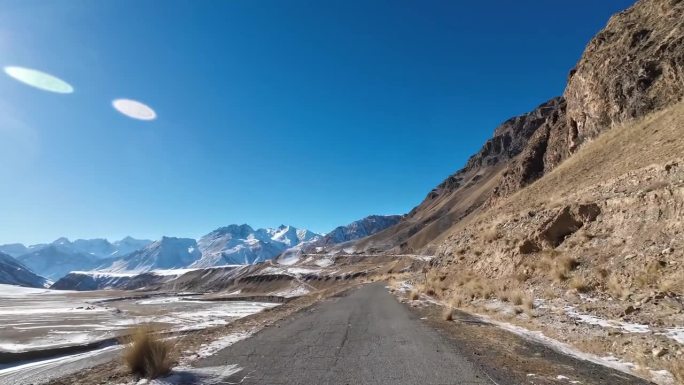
(365, 337)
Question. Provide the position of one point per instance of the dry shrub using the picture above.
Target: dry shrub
(145, 354)
(517, 298)
(650, 275)
(528, 303)
(617, 289)
(676, 367)
(414, 295)
(671, 286)
(457, 301)
(521, 276)
(580, 285)
(559, 266)
(448, 314)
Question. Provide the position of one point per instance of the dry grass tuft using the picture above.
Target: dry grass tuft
(617, 289)
(559, 266)
(671, 286)
(517, 298)
(521, 276)
(580, 285)
(676, 367)
(146, 355)
(414, 295)
(651, 274)
(448, 314)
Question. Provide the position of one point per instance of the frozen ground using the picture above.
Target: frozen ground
(35, 319)
(40, 319)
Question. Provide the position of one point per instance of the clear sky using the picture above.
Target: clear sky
(311, 113)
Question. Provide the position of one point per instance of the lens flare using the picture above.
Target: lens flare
(40, 80)
(134, 109)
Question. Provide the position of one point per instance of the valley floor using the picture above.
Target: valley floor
(366, 336)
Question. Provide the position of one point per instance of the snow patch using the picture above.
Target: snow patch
(593, 320)
(290, 293)
(676, 334)
(213, 347)
(325, 262)
(9, 291)
(187, 375)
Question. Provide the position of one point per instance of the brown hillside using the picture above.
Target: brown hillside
(634, 66)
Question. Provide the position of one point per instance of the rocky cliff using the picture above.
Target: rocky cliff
(633, 67)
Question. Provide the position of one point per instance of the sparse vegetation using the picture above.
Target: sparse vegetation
(616, 288)
(579, 284)
(676, 367)
(490, 235)
(517, 298)
(414, 295)
(650, 275)
(145, 354)
(559, 266)
(448, 314)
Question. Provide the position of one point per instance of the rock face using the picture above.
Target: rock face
(568, 220)
(12, 272)
(633, 67)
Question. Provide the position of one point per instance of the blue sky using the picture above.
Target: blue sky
(310, 113)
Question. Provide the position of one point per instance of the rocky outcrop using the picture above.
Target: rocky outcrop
(568, 220)
(545, 149)
(634, 66)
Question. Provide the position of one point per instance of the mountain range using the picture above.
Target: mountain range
(340, 236)
(240, 244)
(229, 245)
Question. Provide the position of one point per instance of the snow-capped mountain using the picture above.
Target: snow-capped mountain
(17, 249)
(12, 272)
(356, 230)
(291, 236)
(360, 229)
(129, 245)
(56, 260)
(166, 253)
(53, 260)
(98, 247)
(241, 244)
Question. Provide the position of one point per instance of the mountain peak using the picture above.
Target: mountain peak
(61, 241)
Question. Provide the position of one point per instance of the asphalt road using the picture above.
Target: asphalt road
(366, 337)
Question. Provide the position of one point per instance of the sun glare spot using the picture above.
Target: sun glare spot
(134, 109)
(38, 79)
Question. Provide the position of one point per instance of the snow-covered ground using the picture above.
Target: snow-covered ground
(37, 319)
